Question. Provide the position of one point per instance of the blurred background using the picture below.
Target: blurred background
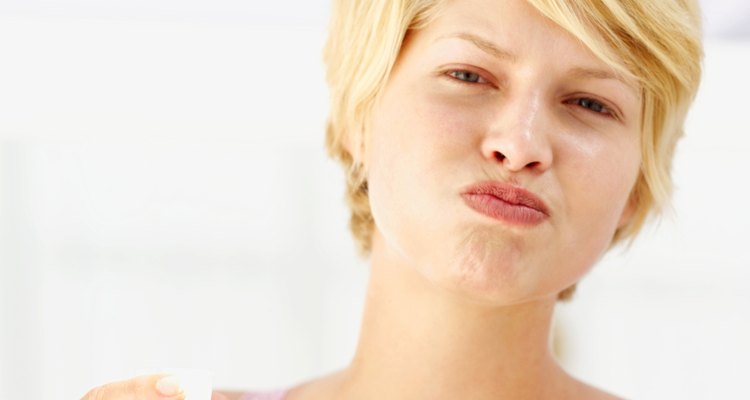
(166, 201)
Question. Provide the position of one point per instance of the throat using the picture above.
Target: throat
(420, 341)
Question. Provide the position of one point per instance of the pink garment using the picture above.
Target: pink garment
(273, 395)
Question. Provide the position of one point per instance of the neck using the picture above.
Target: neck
(420, 341)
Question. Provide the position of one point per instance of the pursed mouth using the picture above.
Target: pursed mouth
(509, 194)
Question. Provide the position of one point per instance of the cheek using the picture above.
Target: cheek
(441, 116)
(396, 150)
(424, 133)
(455, 122)
(418, 151)
(600, 178)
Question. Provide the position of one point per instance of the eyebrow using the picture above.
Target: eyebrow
(588, 73)
(484, 45)
(496, 51)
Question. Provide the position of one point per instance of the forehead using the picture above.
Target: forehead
(514, 31)
(510, 24)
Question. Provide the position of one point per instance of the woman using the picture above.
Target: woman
(495, 149)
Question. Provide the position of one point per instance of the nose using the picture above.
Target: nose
(518, 138)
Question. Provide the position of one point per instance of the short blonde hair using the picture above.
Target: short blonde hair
(657, 43)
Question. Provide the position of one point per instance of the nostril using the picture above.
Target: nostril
(499, 156)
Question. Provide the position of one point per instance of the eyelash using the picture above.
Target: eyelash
(453, 74)
(592, 105)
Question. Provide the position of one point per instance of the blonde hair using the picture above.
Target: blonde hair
(657, 43)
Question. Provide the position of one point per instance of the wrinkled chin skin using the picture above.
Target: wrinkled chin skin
(494, 267)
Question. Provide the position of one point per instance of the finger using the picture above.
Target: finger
(146, 387)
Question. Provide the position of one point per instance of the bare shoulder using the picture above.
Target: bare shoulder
(324, 387)
(588, 392)
(328, 387)
(599, 394)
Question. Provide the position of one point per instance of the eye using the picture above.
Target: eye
(466, 76)
(593, 106)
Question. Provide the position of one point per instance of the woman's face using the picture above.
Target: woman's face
(501, 154)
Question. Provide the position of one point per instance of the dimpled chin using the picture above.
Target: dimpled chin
(486, 267)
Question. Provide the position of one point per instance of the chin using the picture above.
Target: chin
(501, 267)
(488, 269)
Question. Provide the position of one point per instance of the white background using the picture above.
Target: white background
(166, 201)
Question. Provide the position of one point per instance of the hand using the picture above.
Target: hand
(147, 387)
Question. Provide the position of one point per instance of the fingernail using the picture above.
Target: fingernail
(168, 386)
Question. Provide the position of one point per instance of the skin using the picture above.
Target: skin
(459, 305)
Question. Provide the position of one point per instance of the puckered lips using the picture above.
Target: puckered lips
(506, 203)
